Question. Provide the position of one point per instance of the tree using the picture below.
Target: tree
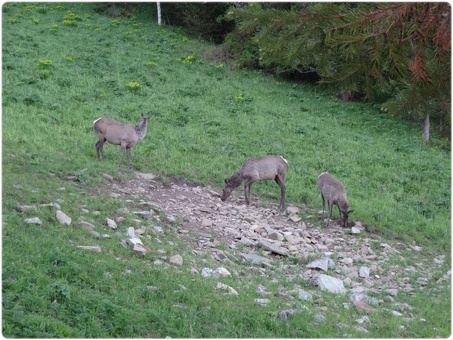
(398, 53)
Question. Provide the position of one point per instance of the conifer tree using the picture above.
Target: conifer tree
(396, 52)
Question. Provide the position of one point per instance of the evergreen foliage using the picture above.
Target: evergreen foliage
(397, 53)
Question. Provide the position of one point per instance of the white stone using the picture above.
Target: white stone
(177, 260)
(330, 284)
(228, 289)
(364, 272)
(63, 218)
(33, 220)
(94, 249)
(111, 223)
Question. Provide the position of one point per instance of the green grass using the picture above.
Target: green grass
(61, 71)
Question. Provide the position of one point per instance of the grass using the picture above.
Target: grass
(64, 66)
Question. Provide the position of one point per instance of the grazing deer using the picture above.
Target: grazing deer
(125, 135)
(333, 191)
(259, 169)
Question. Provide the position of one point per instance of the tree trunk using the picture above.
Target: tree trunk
(159, 16)
(426, 129)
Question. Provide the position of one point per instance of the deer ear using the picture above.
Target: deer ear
(350, 211)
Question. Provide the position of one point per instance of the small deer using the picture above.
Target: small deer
(259, 169)
(125, 135)
(333, 191)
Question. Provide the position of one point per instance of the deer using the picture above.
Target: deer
(333, 192)
(116, 133)
(273, 167)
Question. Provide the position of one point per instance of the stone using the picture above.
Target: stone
(111, 223)
(221, 272)
(319, 318)
(323, 264)
(364, 272)
(227, 288)
(94, 249)
(23, 208)
(206, 222)
(392, 291)
(304, 295)
(355, 230)
(33, 220)
(363, 319)
(330, 284)
(262, 302)
(292, 210)
(131, 232)
(63, 218)
(274, 235)
(107, 176)
(176, 260)
(361, 329)
(206, 272)
(285, 314)
(295, 218)
(256, 259)
(362, 306)
(133, 241)
(139, 250)
(145, 214)
(87, 225)
(261, 291)
(273, 248)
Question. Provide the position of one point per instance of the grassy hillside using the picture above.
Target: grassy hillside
(64, 66)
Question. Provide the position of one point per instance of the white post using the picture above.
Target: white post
(159, 17)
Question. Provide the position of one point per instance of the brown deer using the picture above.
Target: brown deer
(125, 135)
(333, 192)
(259, 169)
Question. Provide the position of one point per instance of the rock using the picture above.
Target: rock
(362, 306)
(139, 250)
(395, 313)
(145, 214)
(347, 261)
(133, 241)
(87, 225)
(107, 176)
(355, 230)
(33, 220)
(319, 318)
(330, 284)
(361, 329)
(261, 291)
(392, 291)
(23, 208)
(131, 232)
(145, 176)
(274, 235)
(402, 307)
(206, 272)
(363, 319)
(256, 259)
(206, 222)
(221, 272)
(422, 281)
(262, 302)
(292, 210)
(304, 295)
(95, 234)
(111, 223)
(295, 218)
(94, 249)
(323, 264)
(273, 248)
(63, 218)
(285, 314)
(227, 288)
(177, 260)
(364, 272)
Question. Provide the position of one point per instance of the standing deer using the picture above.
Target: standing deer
(333, 191)
(259, 169)
(125, 135)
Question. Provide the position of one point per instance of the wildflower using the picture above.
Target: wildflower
(44, 63)
(133, 85)
(239, 98)
(36, 21)
(189, 59)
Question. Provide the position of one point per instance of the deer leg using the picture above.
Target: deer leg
(100, 148)
(128, 154)
(323, 205)
(281, 183)
(330, 212)
(248, 187)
